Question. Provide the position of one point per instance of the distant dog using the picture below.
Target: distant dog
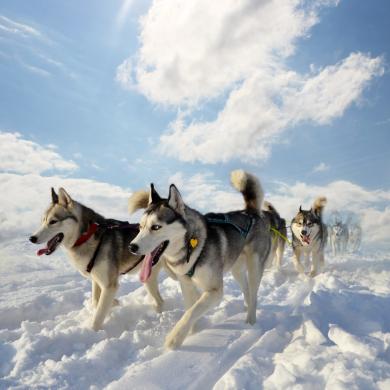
(199, 248)
(309, 236)
(279, 233)
(355, 237)
(339, 237)
(97, 247)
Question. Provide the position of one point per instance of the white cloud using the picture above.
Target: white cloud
(321, 167)
(265, 105)
(23, 156)
(191, 52)
(24, 198)
(22, 29)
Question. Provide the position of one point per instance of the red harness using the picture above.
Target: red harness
(86, 235)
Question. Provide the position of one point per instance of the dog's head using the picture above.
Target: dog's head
(338, 229)
(161, 226)
(59, 223)
(306, 225)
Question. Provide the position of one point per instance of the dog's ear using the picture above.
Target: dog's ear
(300, 208)
(154, 197)
(54, 196)
(175, 200)
(64, 198)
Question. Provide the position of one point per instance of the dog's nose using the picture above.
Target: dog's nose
(304, 232)
(133, 248)
(33, 239)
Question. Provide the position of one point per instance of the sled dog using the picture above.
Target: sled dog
(97, 247)
(309, 235)
(199, 248)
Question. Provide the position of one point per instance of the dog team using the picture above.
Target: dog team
(195, 249)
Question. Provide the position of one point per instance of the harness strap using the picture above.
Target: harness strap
(133, 266)
(227, 221)
(277, 232)
(104, 226)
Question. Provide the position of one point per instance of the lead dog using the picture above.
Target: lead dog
(96, 246)
(198, 249)
(309, 236)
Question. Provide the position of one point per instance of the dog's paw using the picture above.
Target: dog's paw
(313, 273)
(96, 327)
(251, 318)
(299, 268)
(158, 307)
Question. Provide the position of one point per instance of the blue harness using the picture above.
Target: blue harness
(223, 219)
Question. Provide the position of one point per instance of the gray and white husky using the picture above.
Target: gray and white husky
(355, 237)
(199, 248)
(309, 235)
(97, 247)
(338, 237)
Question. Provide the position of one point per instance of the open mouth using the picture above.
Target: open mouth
(150, 260)
(51, 245)
(305, 239)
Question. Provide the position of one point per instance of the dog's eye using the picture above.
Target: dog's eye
(156, 227)
(309, 224)
(52, 222)
(299, 223)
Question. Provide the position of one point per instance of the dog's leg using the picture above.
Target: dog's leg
(105, 302)
(255, 273)
(297, 263)
(315, 264)
(239, 274)
(95, 294)
(190, 293)
(152, 288)
(279, 253)
(207, 300)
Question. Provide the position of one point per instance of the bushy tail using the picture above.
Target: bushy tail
(267, 206)
(250, 188)
(138, 200)
(319, 204)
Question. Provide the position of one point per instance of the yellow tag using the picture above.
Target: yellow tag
(193, 243)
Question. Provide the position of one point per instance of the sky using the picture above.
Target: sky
(106, 97)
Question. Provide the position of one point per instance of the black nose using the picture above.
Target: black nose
(304, 232)
(133, 248)
(33, 239)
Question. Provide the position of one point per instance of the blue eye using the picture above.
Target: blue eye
(156, 227)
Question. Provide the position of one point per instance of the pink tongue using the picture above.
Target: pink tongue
(306, 239)
(146, 268)
(42, 251)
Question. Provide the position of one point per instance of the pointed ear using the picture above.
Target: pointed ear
(154, 197)
(175, 200)
(54, 196)
(300, 208)
(64, 198)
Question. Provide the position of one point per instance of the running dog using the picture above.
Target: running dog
(339, 237)
(97, 248)
(309, 235)
(199, 248)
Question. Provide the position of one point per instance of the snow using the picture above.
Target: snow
(329, 332)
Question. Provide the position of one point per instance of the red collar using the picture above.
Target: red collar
(87, 235)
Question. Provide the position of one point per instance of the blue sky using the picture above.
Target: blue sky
(59, 88)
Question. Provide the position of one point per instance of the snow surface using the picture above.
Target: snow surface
(330, 332)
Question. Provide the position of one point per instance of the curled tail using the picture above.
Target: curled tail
(250, 188)
(138, 200)
(267, 206)
(319, 204)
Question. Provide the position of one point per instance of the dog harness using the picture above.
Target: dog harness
(103, 227)
(218, 219)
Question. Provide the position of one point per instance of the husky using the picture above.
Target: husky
(279, 232)
(339, 237)
(97, 248)
(199, 248)
(355, 237)
(309, 235)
